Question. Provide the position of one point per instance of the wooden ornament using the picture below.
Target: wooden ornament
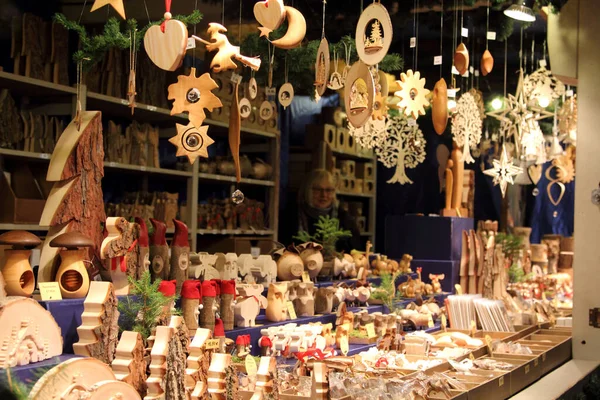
(372, 47)
(29, 333)
(487, 63)
(295, 32)
(359, 94)
(266, 111)
(180, 254)
(194, 94)
(412, 93)
(461, 59)
(158, 363)
(166, 48)
(246, 108)
(458, 175)
(99, 327)
(235, 125)
(72, 276)
(120, 249)
(276, 302)
(197, 366)
(535, 173)
(439, 106)
(270, 14)
(129, 364)
(116, 4)
(216, 376)
(555, 200)
(159, 251)
(252, 88)
(222, 61)
(248, 304)
(285, 95)
(322, 67)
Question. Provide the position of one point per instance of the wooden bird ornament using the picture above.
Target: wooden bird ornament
(225, 51)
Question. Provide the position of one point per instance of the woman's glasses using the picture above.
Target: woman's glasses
(321, 190)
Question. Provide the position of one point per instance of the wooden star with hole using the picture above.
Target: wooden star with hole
(191, 141)
(503, 171)
(116, 4)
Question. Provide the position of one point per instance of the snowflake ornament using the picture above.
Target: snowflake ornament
(541, 85)
(404, 147)
(467, 125)
(534, 143)
(412, 94)
(370, 135)
(567, 121)
(503, 171)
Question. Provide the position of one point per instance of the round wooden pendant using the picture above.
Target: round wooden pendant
(359, 94)
(373, 34)
(266, 111)
(252, 88)
(245, 108)
(322, 67)
(286, 94)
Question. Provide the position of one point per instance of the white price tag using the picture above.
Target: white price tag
(236, 78)
(543, 63)
(455, 71)
(270, 91)
(437, 60)
(142, 168)
(152, 108)
(471, 69)
(451, 93)
(465, 75)
(412, 122)
(191, 43)
(476, 73)
(570, 93)
(413, 42)
(125, 102)
(45, 156)
(491, 36)
(112, 164)
(464, 32)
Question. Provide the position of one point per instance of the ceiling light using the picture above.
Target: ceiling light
(496, 103)
(543, 101)
(521, 11)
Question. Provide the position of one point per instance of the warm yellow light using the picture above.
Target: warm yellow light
(496, 103)
(543, 101)
(451, 105)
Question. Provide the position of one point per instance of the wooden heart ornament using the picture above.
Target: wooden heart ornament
(535, 173)
(270, 14)
(166, 49)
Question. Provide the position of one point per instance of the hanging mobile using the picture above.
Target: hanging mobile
(335, 80)
(286, 91)
(131, 93)
(322, 62)
(372, 48)
(554, 181)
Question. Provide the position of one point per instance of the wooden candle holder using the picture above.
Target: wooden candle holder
(129, 364)
(17, 272)
(99, 323)
(72, 276)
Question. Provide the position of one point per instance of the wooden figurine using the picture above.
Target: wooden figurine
(344, 317)
(553, 243)
(458, 167)
(267, 269)
(167, 288)
(143, 248)
(342, 331)
(248, 304)
(129, 364)
(289, 266)
(312, 257)
(191, 298)
(227, 265)
(225, 51)
(180, 254)
(435, 282)
(166, 44)
(17, 272)
(227, 303)
(156, 382)
(276, 302)
(29, 333)
(305, 300)
(404, 264)
(197, 366)
(216, 376)
(99, 323)
(324, 300)
(159, 251)
(119, 247)
(448, 211)
(209, 304)
(72, 276)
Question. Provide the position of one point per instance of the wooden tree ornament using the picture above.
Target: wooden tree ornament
(373, 47)
(129, 364)
(197, 365)
(75, 202)
(99, 327)
(29, 333)
(322, 67)
(117, 5)
(216, 375)
(120, 249)
(159, 251)
(222, 61)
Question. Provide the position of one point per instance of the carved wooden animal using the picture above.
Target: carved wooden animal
(120, 248)
(340, 332)
(129, 364)
(405, 264)
(248, 304)
(99, 323)
(435, 282)
(324, 300)
(305, 301)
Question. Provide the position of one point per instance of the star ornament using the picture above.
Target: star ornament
(191, 141)
(116, 4)
(503, 171)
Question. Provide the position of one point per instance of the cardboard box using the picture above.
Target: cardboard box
(21, 199)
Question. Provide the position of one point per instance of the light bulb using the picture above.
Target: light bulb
(543, 101)
(496, 103)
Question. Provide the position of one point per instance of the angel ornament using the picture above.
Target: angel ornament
(335, 80)
(467, 125)
(225, 50)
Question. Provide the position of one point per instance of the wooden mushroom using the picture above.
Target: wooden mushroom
(72, 276)
(17, 271)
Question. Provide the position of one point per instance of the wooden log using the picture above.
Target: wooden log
(190, 303)
(143, 248)
(129, 364)
(181, 331)
(209, 305)
(159, 251)
(227, 303)
(180, 254)
(99, 327)
(176, 357)
(33, 46)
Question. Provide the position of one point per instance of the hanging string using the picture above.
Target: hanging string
(223, 14)
(194, 50)
(147, 13)
(525, 55)
(533, 66)
(544, 54)
(414, 33)
(323, 30)
(505, 64)
(82, 9)
(286, 69)
(167, 14)
(417, 39)
(441, 35)
(271, 59)
(462, 22)
(240, 25)
(487, 24)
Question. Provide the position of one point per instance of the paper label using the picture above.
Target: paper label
(370, 330)
(291, 310)
(270, 91)
(344, 345)
(471, 69)
(465, 75)
(45, 156)
(50, 291)
(437, 60)
(491, 35)
(455, 71)
(458, 289)
(306, 277)
(543, 63)
(501, 381)
(411, 122)
(413, 42)
(152, 108)
(569, 93)
(452, 95)
(464, 32)
(430, 321)
(255, 252)
(191, 43)
(476, 73)
(236, 78)
(212, 344)
(251, 367)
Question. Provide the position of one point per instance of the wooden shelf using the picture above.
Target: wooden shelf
(344, 194)
(22, 227)
(25, 154)
(366, 234)
(148, 170)
(234, 232)
(25, 86)
(345, 155)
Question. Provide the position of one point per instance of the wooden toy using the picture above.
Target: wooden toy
(99, 323)
(143, 248)
(159, 251)
(180, 254)
(72, 276)
(276, 302)
(210, 305)
(305, 300)
(289, 266)
(227, 303)
(225, 51)
(216, 375)
(17, 272)
(312, 257)
(324, 300)
(129, 364)
(197, 366)
(248, 304)
(203, 265)
(227, 265)
(120, 248)
(435, 282)
(191, 298)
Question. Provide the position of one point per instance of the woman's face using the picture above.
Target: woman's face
(322, 194)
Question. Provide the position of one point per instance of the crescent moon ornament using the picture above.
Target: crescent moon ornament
(245, 108)
(286, 94)
(295, 32)
(322, 67)
(359, 94)
(373, 45)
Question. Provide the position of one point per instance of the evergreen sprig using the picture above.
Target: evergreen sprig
(386, 291)
(328, 233)
(141, 311)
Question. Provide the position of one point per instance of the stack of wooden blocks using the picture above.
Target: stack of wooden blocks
(355, 177)
(337, 138)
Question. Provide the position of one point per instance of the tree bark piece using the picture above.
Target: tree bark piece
(60, 54)
(33, 46)
(176, 357)
(99, 327)
(180, 255)
(129, 364)
(159, 251)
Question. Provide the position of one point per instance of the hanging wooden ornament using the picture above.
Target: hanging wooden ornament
(270, 14)
(193, 94)
(322, 67)
(439, 106)
(335, 80)
(373, 45)
(565, 169)
(461, 59)
(503, 171)
(131, 93)
(295, 32)
(235, 128)
(116, 4)
(191, 142)
(370, 135)
(245, 108)
(554, 181)
(542, 86)
(567, 121)
(225, 51)
(487, 63)
(359, 94)
(286, 94)
(166, 43)
(252, 88)
(466, 126)
(412, 94)
(266, 111)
